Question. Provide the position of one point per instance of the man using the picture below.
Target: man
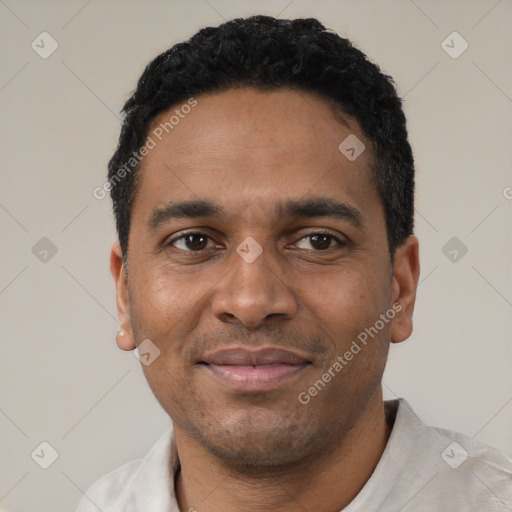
(263, 193)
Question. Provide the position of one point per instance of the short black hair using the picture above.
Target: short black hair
(268, 53)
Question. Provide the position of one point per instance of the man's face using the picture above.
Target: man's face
(320, 280)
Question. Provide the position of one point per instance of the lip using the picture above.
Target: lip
(246, 357)
(258, 370)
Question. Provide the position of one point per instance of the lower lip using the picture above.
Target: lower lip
(255, 379)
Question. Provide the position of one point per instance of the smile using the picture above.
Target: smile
(254, 371)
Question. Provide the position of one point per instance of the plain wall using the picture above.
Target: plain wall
(64, 381)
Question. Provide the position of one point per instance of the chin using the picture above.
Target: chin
(255, 447)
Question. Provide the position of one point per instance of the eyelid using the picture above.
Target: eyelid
(322, 231)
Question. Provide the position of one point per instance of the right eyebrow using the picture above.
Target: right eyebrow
(184, 209)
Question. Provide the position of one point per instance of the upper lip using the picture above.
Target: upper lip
(247, 357)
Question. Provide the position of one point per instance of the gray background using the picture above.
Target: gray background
(64, 381)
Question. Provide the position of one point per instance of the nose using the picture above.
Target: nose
(253, 291)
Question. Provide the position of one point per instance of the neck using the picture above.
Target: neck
(327, 483)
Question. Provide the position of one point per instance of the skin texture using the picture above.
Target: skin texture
(249, 150)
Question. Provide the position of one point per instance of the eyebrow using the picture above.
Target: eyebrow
(320, 207)
(292, 209)
(186, 209)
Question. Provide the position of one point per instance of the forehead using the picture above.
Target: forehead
(253, 148)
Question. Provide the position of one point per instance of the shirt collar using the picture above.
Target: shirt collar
(154, 487)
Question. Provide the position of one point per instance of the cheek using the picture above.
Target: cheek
(348, 309)
(166, 381)
(163, 303)
(348, 300)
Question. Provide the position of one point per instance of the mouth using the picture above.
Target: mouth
(254, 371)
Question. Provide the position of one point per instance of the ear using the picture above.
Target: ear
(125, 339)
(406, 272)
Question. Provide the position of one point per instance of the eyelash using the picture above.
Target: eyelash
(340, 243)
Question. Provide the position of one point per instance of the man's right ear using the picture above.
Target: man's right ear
(124, 339)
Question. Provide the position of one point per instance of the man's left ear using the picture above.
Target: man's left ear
(406, 272)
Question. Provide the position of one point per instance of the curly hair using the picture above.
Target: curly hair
(268, 53)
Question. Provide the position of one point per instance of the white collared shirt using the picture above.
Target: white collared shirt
(422, 469)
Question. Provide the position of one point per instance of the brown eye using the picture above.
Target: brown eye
(321, 241)
(196, 242)
(191, 242)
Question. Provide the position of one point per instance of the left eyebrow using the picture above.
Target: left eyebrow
(292, 209)
(321, 207)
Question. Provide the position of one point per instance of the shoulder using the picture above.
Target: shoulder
(142, 484)
(457, 469)
(475, 465)
(110, 489)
